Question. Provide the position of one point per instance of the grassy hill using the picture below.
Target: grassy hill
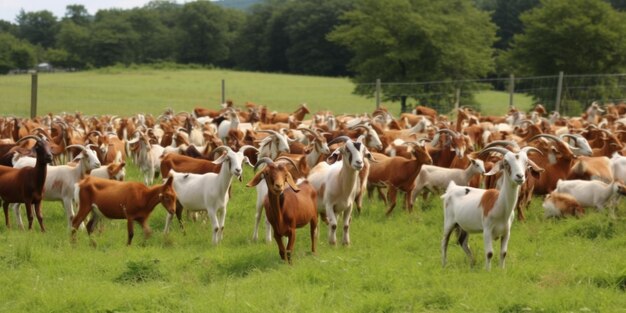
(128, 91)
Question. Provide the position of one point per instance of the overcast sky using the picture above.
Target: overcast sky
(9, 9)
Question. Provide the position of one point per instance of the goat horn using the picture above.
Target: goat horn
(28, 137)
(97, 132)
(502, 143)
(527, 149)
(549, 136)
(220, 148)
(310, 131)
(339, 139)
(268, 131)
(284, 158)
(493, 149)
(261, 161)
(447, 130)
(243, 149)
(75, 146)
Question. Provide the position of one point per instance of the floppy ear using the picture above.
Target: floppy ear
(535, 170)
(495, 169)
(291, 183)
(256, 179)
(169, 181)
(370, 157)
(333, 157)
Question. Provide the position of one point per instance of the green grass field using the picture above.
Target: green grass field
(393, 264)
(142, 90)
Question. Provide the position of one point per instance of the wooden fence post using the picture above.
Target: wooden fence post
(33, 95)
(223, 91)
(378, 93)
(511, 89)
(559, 89)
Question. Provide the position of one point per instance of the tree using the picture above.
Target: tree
(74, 39)
(15, 53)
(155, 42)
(77, 13)
(415, 40)
(112, 39)
(204, 29)
(507, 17)
(573, 36)
(39, 28)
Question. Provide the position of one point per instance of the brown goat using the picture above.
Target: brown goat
(25, 185)
(132, 201)
(286, 208)
(185, 164)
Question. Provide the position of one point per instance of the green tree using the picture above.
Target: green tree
(77, 13)
(251, 51)
(112, 39)
(507, 17)
(15, 53)
(155, 42)
(74, 39)
(415, 40)
(574, 36)
(39, 28)
(204, 33)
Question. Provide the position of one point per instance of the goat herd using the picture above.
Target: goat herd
(316, 167)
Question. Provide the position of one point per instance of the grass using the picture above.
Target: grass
(392, 265)
(142, 90)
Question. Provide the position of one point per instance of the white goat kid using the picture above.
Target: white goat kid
(338, 184)
(60, 180)
(148, 158)
(472, 210)
(197, 192)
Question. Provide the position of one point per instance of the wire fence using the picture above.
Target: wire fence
(566, 93)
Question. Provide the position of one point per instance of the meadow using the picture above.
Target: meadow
(392, 265)
(125, 91)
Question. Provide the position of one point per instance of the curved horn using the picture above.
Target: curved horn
(262, 161)
(503, 143)
(449, 131)
(284, 158)
(528, 148)
(75, 146)
(97, 132)
(220, 148)
(339, 139)
(360, 126)
(28, 137)
(549, 136)
(268, 131)
(310, 131)
(243, 149)
(493, 149)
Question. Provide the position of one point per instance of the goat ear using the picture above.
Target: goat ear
(370, 156)
(256, 179)
(169, 181)
(291, 183)
(535, 170)
(221, 159)
(495, 169)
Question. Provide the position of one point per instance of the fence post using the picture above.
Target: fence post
(223, 91)
(33, 95)
(511, 89)
(457, 100)
(378, 93)
(559, 89)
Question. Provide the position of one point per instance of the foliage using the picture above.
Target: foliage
(576, 37)
(39, 27)
(15, 53)
(507, 17)
(418, 40)
(204, 33)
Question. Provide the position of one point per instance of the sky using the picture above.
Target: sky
(9, 9)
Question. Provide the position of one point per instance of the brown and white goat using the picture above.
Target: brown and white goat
(561, 204)
(287, 208)
(132, 201)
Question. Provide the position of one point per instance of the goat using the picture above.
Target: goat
(148, 160)
(561, 204)
(114, 171)
(591, 193)
(209, 191)
(490, 211)
(132, 201)
(434, 178)
(338, 184)
(286, 208)
(61, 180)
(25, 185)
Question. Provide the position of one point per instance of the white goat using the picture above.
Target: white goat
(338, 184)
(209, 191)
(60, 180)
(618, 164)
(148, 158)
(435, 178)
(591, 193)
(490, 211)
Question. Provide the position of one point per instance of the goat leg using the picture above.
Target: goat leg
(39, 216)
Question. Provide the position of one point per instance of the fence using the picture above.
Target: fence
(568, 94)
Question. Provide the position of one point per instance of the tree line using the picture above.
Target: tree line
(395, 40)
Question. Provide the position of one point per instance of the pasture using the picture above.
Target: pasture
(126, 91)
(393, 264)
